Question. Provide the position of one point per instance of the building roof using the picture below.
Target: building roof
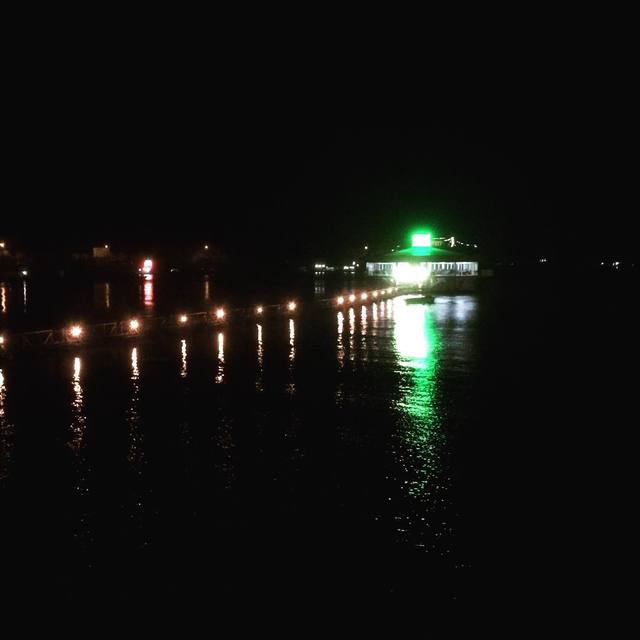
(426, 254)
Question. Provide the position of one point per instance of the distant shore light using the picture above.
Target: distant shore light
(183, 319)
(292, 306)
(220, 313)
(134, 324)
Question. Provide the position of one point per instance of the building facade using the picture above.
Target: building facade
(423, 262)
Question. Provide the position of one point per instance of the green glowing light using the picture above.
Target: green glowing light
(415, 336)
(421, 240)
(421, 437)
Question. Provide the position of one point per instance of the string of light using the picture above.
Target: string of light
(78, 332)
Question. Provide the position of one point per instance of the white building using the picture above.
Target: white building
(423, 262)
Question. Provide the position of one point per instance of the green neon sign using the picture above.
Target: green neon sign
(421, 240)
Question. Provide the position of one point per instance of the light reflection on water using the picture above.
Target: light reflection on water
(291, 387)
(135, 371)
(339, 394)
(77, 412)
(82, 530)
(292, 340)
(3, 298)
(102, 295)
(136, 451)
(148, 294)
(352, 333)
(399, 393)
(136, 455)
(6, 432)
(220, 373)
(419, 440)
(352, 321)
(464, 308)
(183, 425)
(183, 358)
(364, 342)
(224, 440)
(424, 516)
(378, 329)
(260, 355)
(340, 339)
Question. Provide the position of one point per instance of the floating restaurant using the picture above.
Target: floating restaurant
(428, 260)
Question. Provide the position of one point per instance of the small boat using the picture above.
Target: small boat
(426, 299)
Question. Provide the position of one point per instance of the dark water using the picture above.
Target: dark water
(34, 304)
(418, 452)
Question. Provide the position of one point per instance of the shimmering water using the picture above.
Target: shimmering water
(324, 452)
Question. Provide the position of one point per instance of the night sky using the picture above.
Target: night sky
(519, 140)
(522, 183)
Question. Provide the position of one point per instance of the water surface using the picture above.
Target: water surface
(320, 448)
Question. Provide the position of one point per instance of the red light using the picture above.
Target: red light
(148, 293)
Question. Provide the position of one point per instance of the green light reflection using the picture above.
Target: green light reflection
(420, 437)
